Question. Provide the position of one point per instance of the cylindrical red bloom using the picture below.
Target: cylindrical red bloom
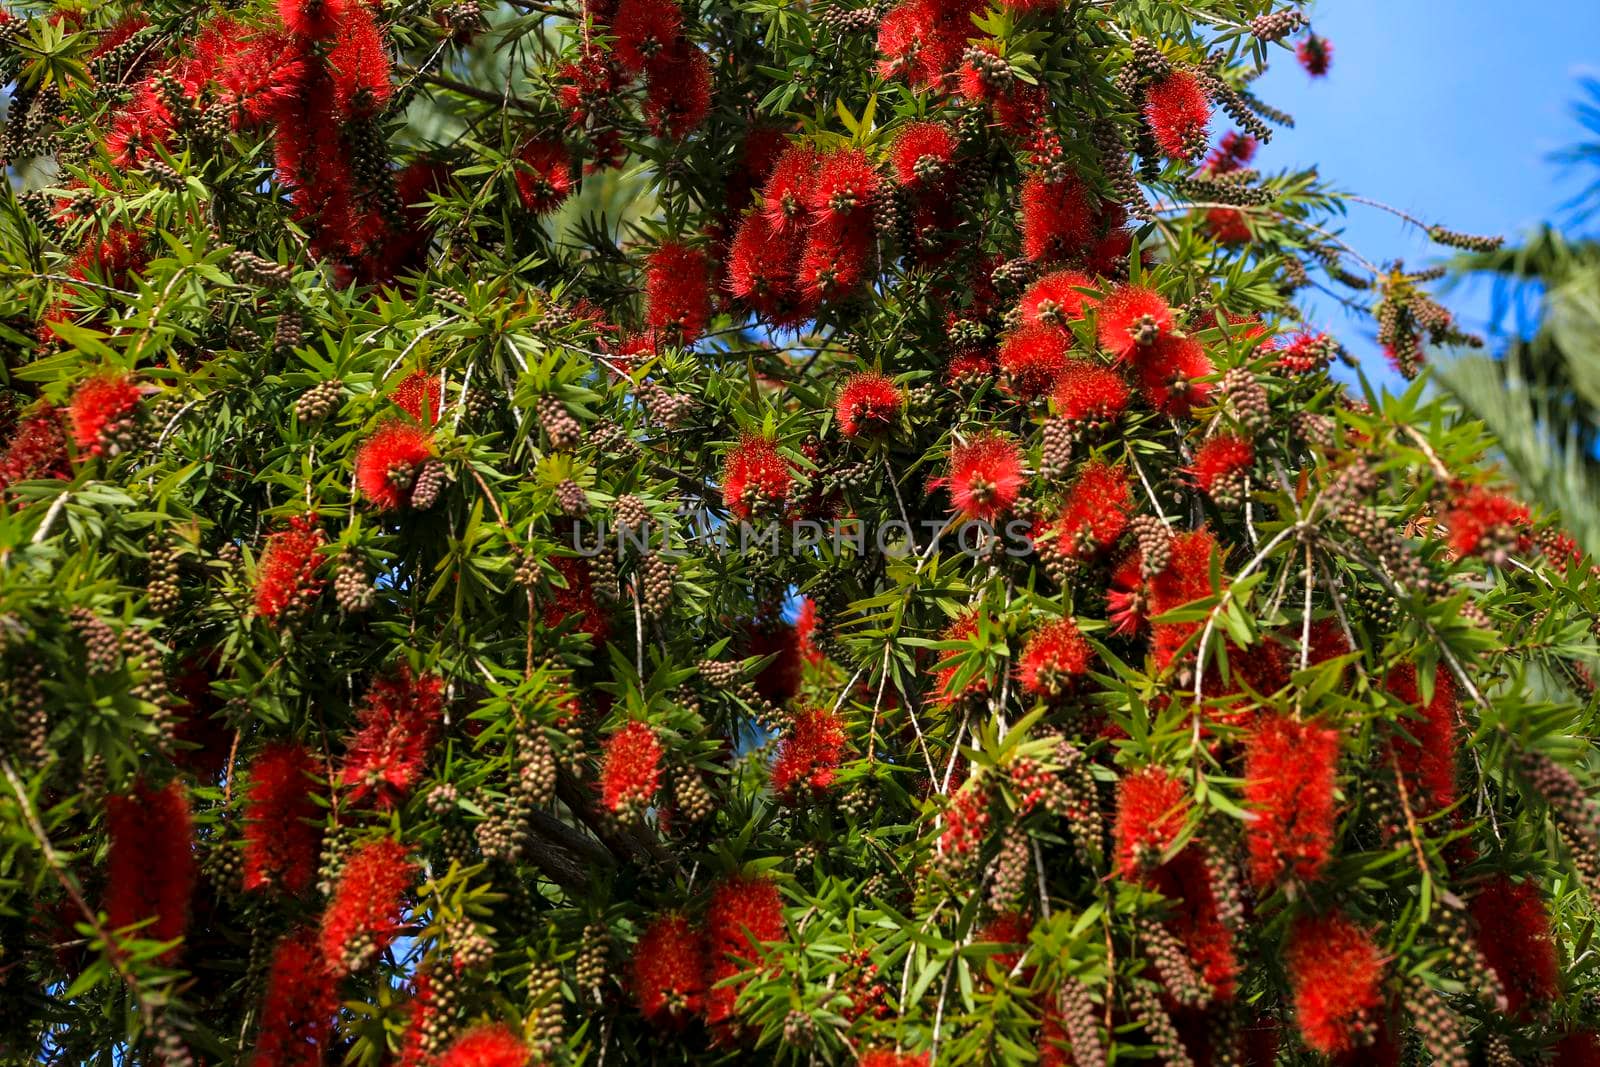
(677, 291)
(100, 408)
(1315, 55)
(643, 30)
(867, 403)
(1170, 375)
(845, 183)
(419, 395)
(150, 867)
(1186, 579)
(1336, 974)
(1054, 658)
(575, 601)
(1178, 112)
(631, 770)
(1221, 459)
(313, 19)
(783, 197)
(1578, 1049)
(669, 972)
(1290, 768)
(1057, 218)
(286, 574)
(1514, 935)
(678, 93)
(1487, 524)
(754, 477)
(1132, 320)
(399, 718)
(1306, 353)
(779, 680)
(368, 905)
(298, 1010)
(1054, 300)
(358, 66)
(922, 153)
(1426, 753)
(544, 175)
(388, 461)
(1095, 512)
(744, 914)
(37, 449)
(282, 829)
(888, 1057)
(1228, 226)
(985, 477)
(1152, 807)
(809, 753)
(493, 1045)
(1089, 393)
(1032, 359)
(761, 269)
(835, 257)
(1233, 152)
(966, 820)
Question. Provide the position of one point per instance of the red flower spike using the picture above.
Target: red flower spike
(1234, 152)
(868, 403)
(367, 908)
(845, 183)
(643, 30)
(544, 175)
(922, 154)
(985, 477)
(1426, 753)
(631, 769)
(1487, 524)
(486, 1046)
(359, 66)
(576, 600)
(884, 1057)
(1228, 226)
(1221, 459)
(809, 753)
(312, 19)
(1290, 768)
(805, 633)
(1032, 359)
(150, 866)
(99, 410)
(388, 461)
(298, 1010)
(755, 477)
(744, 914)
(286, 573)
(1096, 511)
(916, 39)
(1053, 659)
(1133, 320)
(670, 972)
(1089, 393)
(835, 259)
(969, 366)
(1129, 596)
(678, 291)
(283, 824)
(1152, 807)
(1054, 300)
(783, 197)
(1315, 55)
(1514, 935)
(1009, 928)
(399, 720)
(1178, 112)
(966, 820)
(779, 680)
(1169, 376)
(37, 450)
(1336, 975)
(1186, 579)
(419, 395)
(761, 269)
(678, 95)
(1057, 219)
(1306, 353)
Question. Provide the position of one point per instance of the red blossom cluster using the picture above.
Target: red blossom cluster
(398, 723)
(1290, 772)
(388, 462)
(868, 403)
(286, 574)
(1178, 112)
(298, 1009)
(1087, 393)
(1233, 153)
(420, 395)
(490, 1045)
(984, 477)
(1221, 462)
(1304, 353)
(1055, 656)
(1094, 513)
(150, 864)
(282, 829)
(677, 292)
(574, 599)
(1426, 753)
(755, 477)
(367, 909)
(36, 449)
(1487, 524)
(630, 771)
(946, 673)
(1137, 326)
(1152, 808)
(809, 753)
(1336, 975)
(1515, 937)
(885, 1057)
(743, 914)
(100, 411)
(670, 972)
(966, 820)
(1315, 54)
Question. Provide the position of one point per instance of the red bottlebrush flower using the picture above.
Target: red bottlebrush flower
(1196, 918)
(1306, 353)
(1290, 769)
(1178, 112)
(387, 463)
(1169, 376)
(1487, 524)
(544, 175)
(915, 39)
(1228, 226)
(1514, 935)
(1054, 658)
(744, 914)
(298, 1009)
(1336, 974)
(779, 680)
(37, 449)
(1579, 1049)
(399, 722)
(486, 1046)
(1129, 596)
(631, 770)
(1009, 928)
(966, 820)
(1032, 359)
(286, 574)
(367, 909)
(805, 631)
(358, 66)
(963, 629)
(755, 477)
(984, 477)
(886, 1057)
(575, 600)
(677, 291)
(1133, 320)
(783, 197)
(643, 30)
(1220, 462)
(150, 867)
(100, 410)
(1054, 300)
(678, 96)
(835, 259)
(1186, 579)
(969, 366)
(761, 269)
(922, 154)
(419, 395)
(809, 753)
(1234, 152)
(1057, 219)
(669, 972)
(1427, 755)
(312, 19)
(845, 183)
(1095, 512)
(1315, 55)
(867, 403)
(762, 148)
(1089, 393)
(282, 829)
(1152, 807)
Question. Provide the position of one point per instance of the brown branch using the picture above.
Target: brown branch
(487, 96)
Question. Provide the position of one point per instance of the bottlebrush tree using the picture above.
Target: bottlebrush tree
(389, 679)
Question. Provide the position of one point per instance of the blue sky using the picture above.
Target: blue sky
(1446, 109)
